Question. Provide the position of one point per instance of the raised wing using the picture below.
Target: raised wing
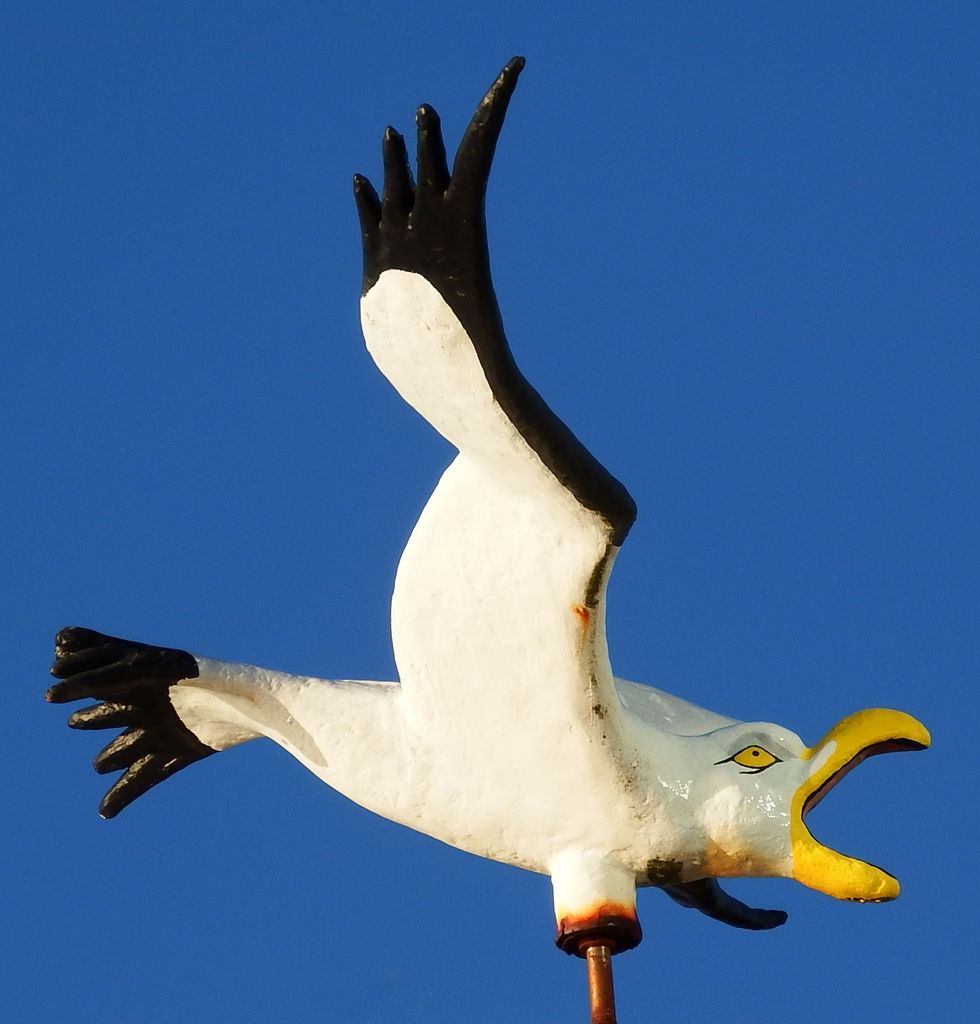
(436, 229)
(500, 591)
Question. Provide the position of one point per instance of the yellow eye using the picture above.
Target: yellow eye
(754, 758)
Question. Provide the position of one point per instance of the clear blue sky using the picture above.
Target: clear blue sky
(736, 247)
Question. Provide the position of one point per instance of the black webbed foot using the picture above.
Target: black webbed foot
(708, 896)
(132, 682)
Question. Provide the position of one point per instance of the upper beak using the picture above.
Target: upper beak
(874, 731)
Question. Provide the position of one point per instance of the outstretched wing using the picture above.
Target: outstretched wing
(501, 586)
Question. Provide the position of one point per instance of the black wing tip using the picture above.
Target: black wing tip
(78, 639)
(142, 775)
(72, 639)
(130, 682)
(94, 664)
(505, 83)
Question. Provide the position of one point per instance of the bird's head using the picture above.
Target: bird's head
(745, 789)
(762, 781)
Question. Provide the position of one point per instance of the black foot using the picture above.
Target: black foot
(708, 896)
(132, 682)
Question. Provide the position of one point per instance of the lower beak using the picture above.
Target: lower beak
(861, 735)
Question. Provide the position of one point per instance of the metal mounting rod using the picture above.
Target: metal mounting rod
(598, 964)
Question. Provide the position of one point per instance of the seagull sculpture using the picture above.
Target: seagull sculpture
(506, 734)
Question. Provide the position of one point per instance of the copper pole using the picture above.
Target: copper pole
(598, 964)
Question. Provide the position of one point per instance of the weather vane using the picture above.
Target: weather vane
(506, 734)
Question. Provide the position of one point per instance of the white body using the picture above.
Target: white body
(506, 735)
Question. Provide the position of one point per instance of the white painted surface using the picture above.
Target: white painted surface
(506, 734)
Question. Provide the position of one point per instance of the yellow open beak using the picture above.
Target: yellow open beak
(875, 731)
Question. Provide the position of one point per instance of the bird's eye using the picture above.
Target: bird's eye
(753, 759)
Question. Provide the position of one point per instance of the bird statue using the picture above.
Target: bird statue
(506, 734)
